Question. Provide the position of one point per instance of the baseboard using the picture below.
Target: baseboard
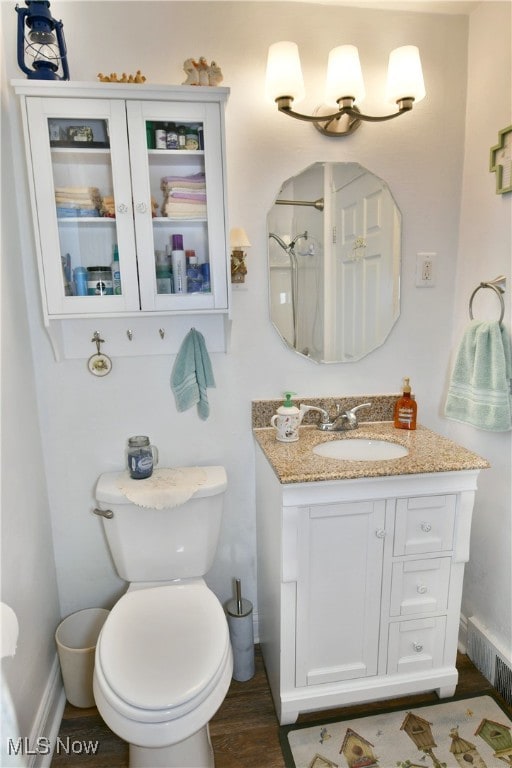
(256, 627)
(462, 643)
(48, 719)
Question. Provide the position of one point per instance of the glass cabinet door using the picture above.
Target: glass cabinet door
(176, 159)
(83, 198)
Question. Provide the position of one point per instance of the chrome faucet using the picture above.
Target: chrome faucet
(343, 420)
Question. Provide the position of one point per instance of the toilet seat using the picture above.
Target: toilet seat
(162, 651)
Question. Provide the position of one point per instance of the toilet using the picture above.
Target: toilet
(163, 660)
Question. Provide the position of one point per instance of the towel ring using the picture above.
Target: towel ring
(497, 290)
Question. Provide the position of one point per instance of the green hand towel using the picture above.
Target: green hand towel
(479, 391)
(192, 374)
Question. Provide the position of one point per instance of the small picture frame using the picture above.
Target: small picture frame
(501, 161)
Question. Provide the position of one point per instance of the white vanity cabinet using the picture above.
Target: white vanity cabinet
(90, 141)
(359, 585)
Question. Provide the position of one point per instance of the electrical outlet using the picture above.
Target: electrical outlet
(425, 270)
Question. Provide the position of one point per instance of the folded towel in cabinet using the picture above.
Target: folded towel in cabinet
(479, 391)
(192, 374)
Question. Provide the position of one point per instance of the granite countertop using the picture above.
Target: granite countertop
(428, 452)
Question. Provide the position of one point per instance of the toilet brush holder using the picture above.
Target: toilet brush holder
(239, 613)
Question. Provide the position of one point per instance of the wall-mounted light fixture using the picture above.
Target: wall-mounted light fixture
(238, 240)
(42, 42)
(344, 85)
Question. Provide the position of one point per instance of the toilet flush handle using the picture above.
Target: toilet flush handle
(104, 513)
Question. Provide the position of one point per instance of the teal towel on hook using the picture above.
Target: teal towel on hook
(192, 374)
(479, 391)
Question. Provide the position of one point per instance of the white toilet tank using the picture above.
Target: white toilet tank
(150, 544)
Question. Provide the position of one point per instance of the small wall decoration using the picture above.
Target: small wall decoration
(201, 73)
(501, 161)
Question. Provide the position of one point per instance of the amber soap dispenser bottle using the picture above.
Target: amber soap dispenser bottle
(406, 409)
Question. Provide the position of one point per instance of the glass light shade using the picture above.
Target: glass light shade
(344, 75)
(238, 238)
(284, 73)
(405, 75)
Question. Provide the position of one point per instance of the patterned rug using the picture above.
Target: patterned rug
(462, 733)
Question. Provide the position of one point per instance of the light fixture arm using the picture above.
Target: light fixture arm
(346, 107)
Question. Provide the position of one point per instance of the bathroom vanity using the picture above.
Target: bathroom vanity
(360, 566)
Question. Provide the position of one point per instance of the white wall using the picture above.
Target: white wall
(85, 421)
(28, 578)
(485, 250)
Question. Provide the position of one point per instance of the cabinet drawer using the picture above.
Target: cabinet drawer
(420, 586)
(424, 524)
(416, 645)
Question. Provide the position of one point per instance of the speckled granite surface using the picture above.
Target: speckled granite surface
(381, 408)
(428, 452)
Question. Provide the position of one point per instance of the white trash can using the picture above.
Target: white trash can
(76, 639)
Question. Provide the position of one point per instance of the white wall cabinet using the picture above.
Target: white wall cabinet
(359, 586)
(96, 182)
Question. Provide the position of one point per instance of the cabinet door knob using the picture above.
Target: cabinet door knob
(380, 533)
(421, 589)
(418, 647)
(122, 208)
(141, 208)
(426, 527)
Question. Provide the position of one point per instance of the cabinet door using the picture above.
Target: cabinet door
(338, 591)
(83, 202)
(179, 192)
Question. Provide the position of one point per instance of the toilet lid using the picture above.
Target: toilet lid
(161, 647)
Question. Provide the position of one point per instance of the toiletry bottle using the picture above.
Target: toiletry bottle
(205, 272)
(172, 136)
(179, 265)
(160, 137)
(116, 272)
(286, 420)
(181, 136)
(191, 137)
(194, 276)
(406, 409)
(80, 275)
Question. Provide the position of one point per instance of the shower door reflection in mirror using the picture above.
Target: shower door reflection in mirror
(334, 262)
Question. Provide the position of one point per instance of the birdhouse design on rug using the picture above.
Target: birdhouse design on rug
(464, 752)
(418, 729)
(322, 762)
(358, 752)
(498, 737)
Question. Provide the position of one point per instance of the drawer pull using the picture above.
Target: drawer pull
(141, 208)
(426, 527)
(418, 647)
(421, 589)
(380, 533)
(122, 208)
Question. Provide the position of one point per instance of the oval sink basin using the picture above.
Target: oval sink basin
(360, 449)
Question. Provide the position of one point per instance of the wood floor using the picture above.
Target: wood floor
(245, 732)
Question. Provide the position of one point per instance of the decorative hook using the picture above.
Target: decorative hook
(99, 364)
(99, 341)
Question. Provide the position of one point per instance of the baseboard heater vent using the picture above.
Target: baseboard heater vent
(489, 658)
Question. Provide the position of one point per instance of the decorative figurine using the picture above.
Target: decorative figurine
(202, 73)
(215, 75)
(191, 72)
(138, 77)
